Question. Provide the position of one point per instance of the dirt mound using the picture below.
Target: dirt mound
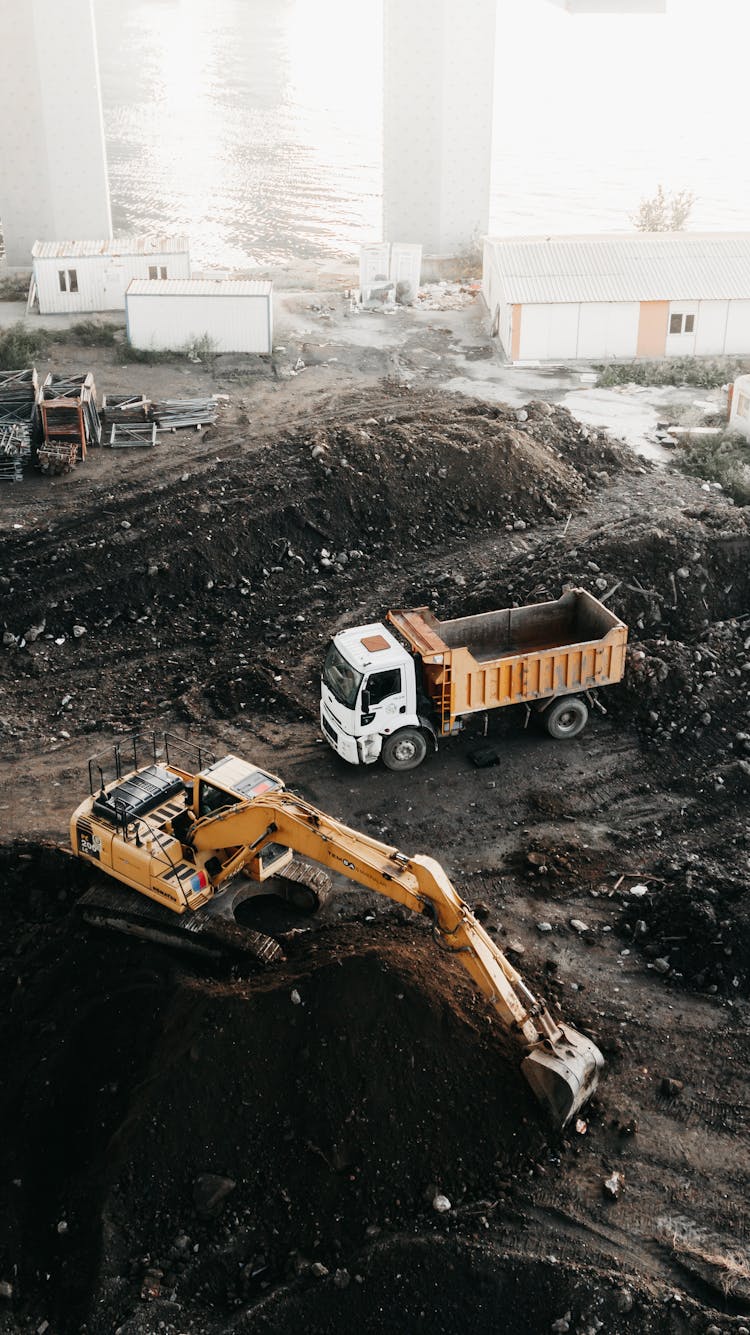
(209, 573)
(684, 589)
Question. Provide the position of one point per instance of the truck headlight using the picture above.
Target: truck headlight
(370, 748)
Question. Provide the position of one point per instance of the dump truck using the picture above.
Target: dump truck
(394, 695)
(179, 844)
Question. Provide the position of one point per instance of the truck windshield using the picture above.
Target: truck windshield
(341, 678)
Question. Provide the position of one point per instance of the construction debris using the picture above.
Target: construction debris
(445, 296)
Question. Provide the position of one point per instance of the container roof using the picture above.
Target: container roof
(121, 245)
(199, 287)
(633, 266)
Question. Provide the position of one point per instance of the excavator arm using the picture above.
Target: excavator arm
(561, 1065)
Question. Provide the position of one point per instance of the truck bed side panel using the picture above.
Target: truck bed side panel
(520, 678)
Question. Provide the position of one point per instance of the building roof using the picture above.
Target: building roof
(121, 245)
(199, 287)
(633, 266)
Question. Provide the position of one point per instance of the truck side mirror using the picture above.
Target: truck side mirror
(365, 702)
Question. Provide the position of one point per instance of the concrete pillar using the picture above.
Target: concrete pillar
(439, 74)
(53, 167)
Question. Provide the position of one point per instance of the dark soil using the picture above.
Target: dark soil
(330, 1100)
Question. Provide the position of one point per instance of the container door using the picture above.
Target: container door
(114, 286)
(548, 332)
(374, 267)
(406, 268)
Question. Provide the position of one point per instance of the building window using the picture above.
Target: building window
(163, 271)
(676, 325)
(62, 280)
(153, 272)
(73, 280)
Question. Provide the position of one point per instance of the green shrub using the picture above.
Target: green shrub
(20, 345)
(724, 459)
(92, 334)
(149, 356)
(672, 371)
(14, 287)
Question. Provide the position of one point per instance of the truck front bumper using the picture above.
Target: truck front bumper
(355, 750)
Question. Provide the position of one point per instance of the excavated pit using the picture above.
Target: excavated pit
(338, 1092)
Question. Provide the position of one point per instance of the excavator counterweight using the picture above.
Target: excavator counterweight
(193, 844)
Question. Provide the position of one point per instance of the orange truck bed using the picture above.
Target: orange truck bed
(516, 655)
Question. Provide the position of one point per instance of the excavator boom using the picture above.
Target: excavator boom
(561, 1065)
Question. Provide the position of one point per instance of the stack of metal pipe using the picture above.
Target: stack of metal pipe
(171, 414)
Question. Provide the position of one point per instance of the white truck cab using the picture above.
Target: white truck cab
(369, 706)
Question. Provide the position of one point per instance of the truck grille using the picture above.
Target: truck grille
(331, 731)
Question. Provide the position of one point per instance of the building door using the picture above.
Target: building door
(681, 328)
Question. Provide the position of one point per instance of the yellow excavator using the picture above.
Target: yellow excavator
(195, 837)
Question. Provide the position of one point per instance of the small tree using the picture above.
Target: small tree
(663, 212)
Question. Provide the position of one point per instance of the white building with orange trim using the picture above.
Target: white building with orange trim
(640, 294)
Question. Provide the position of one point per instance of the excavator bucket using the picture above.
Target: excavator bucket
(564, 1074)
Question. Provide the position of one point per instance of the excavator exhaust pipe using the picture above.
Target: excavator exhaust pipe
(563, 1074)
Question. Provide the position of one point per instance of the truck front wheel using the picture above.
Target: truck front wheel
(566, 718)
(404, 749)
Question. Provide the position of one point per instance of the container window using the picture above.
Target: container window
(675, 324)
(689, 324)
(62, 280)
(73, 280)
(153, 272)
(743, 405)
(163, 271)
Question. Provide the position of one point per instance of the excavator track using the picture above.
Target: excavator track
(210, 932)
(304, 886)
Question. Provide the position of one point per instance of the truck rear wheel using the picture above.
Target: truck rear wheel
(566, 718)
(405, 749)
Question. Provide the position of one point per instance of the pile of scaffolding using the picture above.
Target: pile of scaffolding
(171, 414)
(70, 421)
(134, 420)
(19, 422)
(55, 424)
(128, 420)
(13, 454)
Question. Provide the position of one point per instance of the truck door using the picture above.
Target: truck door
(386, 700)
